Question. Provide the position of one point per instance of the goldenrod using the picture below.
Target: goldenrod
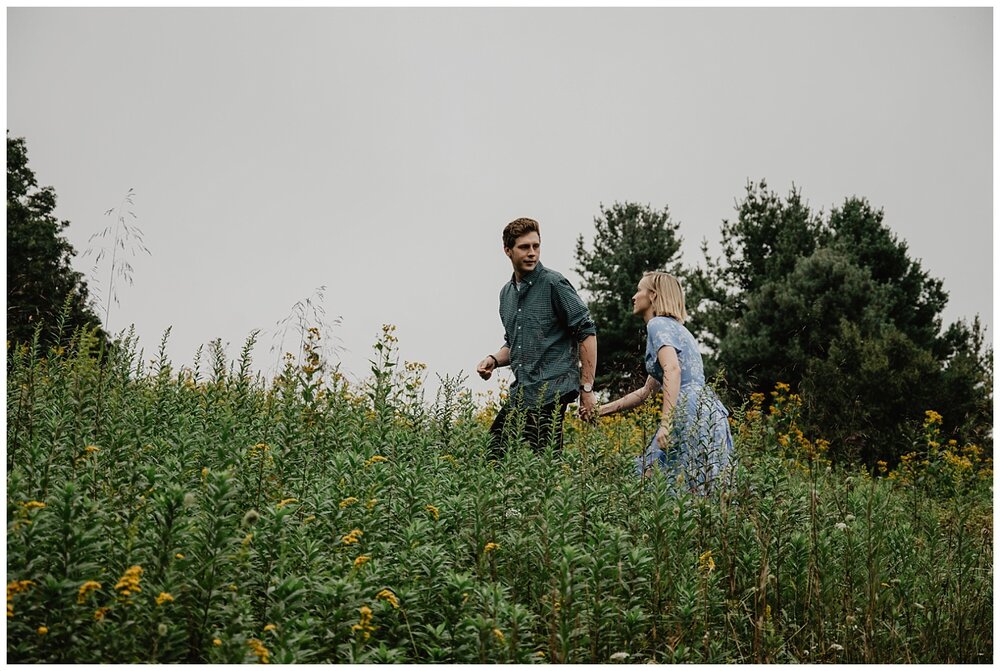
(364, 625)
(15, 587)
(706, 564)
(388, 596)
(263, 655)
(129, 582)
(85, 589)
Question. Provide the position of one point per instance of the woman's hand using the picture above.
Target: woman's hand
(663, 438)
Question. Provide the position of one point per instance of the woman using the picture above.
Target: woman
(693, 440)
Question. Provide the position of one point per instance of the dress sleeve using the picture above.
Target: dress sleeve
(664, 333)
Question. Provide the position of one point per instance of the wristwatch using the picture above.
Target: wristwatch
(587, 388)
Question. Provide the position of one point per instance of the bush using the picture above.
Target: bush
(207, 516)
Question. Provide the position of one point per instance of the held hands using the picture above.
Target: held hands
(663, 437)
(588, 411)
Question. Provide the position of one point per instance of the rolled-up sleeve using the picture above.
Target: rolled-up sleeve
(572, 311)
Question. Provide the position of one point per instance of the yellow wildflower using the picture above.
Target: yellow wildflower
(178, 556)
(101, 612)
(389, 596)
(499, 635)
(257, 647)
(490, 547)
(781, 386)
(163, 598)
(130, 581)
(705, 562)
(91, 449)
(43, 630)
(32, 505)
(364, 624)
(216, 642)
(360, 561)
(204, 472)
(353, 537)
(931, 418)
(85, 589)
(378, 458)
(16, 587)
(433, 511)
(270, 627)
(371, 503)
(350, 500)
(284, 502)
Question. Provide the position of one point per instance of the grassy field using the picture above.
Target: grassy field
(163, 515)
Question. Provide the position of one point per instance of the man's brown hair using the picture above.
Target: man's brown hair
(517, 228)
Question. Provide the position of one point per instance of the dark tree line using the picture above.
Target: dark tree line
(832, 305)
(43, 290)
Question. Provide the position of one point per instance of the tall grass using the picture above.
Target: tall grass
(208, 515)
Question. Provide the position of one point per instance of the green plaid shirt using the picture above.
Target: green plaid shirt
(544, 323)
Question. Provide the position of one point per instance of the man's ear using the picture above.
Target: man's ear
(507, 251)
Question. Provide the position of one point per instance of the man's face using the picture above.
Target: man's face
(524, 254)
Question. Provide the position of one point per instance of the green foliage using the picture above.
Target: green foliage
(630, 239)
(837, 309)
(157, 515)
(41, 282)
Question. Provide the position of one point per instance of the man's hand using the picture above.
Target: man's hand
(588, 411)
(485, 367)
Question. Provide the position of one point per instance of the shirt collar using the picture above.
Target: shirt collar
(530, 277)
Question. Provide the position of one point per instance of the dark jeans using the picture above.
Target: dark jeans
(541, 425)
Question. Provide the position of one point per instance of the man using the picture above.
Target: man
(550, 342)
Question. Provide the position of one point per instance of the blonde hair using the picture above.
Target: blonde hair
(669, 298)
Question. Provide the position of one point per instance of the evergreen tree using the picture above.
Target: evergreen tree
(41, 283)
(630, 239)
(839, 310)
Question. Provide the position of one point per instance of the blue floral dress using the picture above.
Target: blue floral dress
(701, 444)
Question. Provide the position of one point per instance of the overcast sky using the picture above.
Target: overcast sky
(380, 152)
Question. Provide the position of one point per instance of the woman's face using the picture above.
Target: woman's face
(642, 300)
